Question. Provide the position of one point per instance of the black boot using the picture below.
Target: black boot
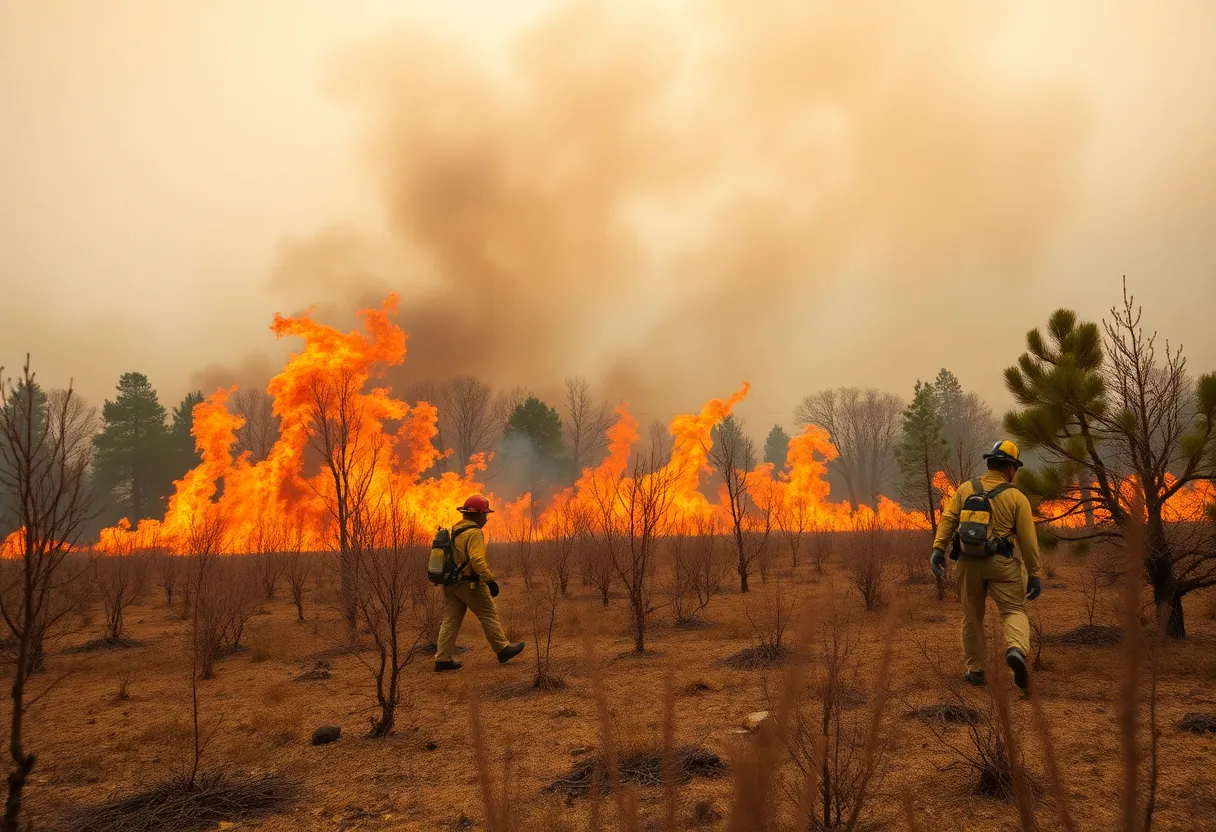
(974, 677)
(1017, 663)
(510, 651)
(441, 667)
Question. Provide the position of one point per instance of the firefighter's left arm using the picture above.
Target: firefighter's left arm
(1028, 538)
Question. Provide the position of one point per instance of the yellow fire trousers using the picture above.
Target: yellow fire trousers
(468, 596)
(999, 578)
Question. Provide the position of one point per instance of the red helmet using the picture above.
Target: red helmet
(476, 504)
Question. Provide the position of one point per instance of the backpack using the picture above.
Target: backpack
(975, 521)
(442, 569)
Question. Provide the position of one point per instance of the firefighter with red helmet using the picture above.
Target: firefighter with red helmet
(475, 590)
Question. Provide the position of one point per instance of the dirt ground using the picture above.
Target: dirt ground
(92, 743)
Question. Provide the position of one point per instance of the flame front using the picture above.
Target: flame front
(332, 434)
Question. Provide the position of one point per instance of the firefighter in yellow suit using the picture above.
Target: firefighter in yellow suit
(999, 574)
(476, 590)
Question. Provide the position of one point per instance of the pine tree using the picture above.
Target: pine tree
(1112, 415)
(131, 449)
(535, 429)
(922, 450)
(776, 446)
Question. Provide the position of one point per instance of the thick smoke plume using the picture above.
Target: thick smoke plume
(672, 203)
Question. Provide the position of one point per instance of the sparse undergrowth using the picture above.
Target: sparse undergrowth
(182, 805)
(642, 768)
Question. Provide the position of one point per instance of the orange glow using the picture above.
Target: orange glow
(1186, 505)
(262, 503)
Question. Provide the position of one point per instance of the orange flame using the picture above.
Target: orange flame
(261, 503)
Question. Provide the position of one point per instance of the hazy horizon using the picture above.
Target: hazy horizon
(800, 196)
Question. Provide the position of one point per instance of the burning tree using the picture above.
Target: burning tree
(585, 425)
(45, 454)
(1125, 431)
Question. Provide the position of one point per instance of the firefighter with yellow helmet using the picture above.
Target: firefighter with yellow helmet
(981, 523)
(470, 586)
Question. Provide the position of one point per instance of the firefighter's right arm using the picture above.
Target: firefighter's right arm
(476, 551)
(947, 524)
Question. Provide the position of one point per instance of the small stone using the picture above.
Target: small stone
(430, 745)
(755, 720)
(326, 734)
(579, 750)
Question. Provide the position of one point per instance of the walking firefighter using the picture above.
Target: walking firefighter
(458, 564)
(981, 523)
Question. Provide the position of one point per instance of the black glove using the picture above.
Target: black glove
(937, 563)
(493, 585)
(1033, 587)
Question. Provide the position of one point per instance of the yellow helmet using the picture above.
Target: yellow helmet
(1005, 451)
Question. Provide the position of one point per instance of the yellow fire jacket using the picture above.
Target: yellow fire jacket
(472, 544)
(1011, 514)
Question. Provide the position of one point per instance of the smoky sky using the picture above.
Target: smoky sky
(799, 195)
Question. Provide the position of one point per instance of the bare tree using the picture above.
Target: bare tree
(389, 546)
(661, 440)
(585, 426)
(503, 405)
(766, 497)
(168, 570)
(867, 563)
(543, 601)
(821, 541)
(733, 456)
(206, 539)
(563, 538)
(120, 577)
(299, 567)
(697, 571)
(865, 426)
(261, 427)
(350, 445)
(466, 411)
(794, 520)
(45, 454)
(632, 515)
(1121, 424)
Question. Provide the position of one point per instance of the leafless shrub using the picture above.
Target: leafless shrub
(821, 542)
(769, 619)
(833, 747)
(867, 564)
(119, 577)
(168, 572)
(543, 607)
(390, 547)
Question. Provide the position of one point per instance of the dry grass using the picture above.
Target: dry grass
(259, 719)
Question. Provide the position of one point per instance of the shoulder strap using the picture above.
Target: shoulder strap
(1005, 486)
(455, 536)
(977, 488)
